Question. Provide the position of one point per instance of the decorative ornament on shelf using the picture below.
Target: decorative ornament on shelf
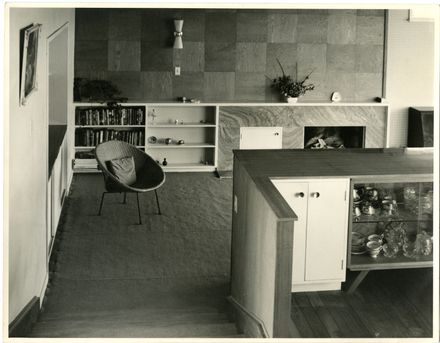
(289, 88)
(336, 97)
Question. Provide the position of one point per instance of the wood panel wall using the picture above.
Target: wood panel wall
(261, 261)
(230, 54)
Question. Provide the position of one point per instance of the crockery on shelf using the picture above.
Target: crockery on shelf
(375, 238)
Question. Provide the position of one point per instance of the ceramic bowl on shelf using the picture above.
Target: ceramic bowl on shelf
(374, 248)
(357, 243)
(375, 238)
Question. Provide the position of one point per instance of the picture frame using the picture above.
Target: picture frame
(29, 55)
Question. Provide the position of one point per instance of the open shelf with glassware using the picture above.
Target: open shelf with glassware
(183, 138)
(391, 224)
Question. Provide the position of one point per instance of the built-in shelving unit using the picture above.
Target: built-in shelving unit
(184, 134)
(97, 123)
(196, 124)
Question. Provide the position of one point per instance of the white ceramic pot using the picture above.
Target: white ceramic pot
(291, 100)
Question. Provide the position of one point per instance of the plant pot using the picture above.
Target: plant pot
(291, 100)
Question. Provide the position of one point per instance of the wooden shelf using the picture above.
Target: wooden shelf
(402, 216)
(180, 146)
(241, 103)
(180, 125)
(173, 166)
(93, 147)
(108, 126)
(366, 262)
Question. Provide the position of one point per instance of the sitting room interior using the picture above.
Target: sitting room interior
(221, 172)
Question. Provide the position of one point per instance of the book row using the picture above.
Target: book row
(91, 137)
(110, 116)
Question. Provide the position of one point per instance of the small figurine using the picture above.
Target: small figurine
(181, 141)
(164, 162)
(168, 141)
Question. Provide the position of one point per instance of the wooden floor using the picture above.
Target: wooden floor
(394, 303)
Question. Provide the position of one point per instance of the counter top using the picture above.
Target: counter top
(362, 164)
(353, 163)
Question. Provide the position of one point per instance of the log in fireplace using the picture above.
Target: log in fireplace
(334, 137)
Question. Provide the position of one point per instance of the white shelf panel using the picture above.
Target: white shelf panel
(85, 163)
(180, 146)
(93, 147)
(179, 125)
(108, 126)
(184, 167)
(243, 103)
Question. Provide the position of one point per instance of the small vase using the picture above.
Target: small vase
(291, 100)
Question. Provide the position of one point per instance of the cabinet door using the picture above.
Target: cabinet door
(261, 137)
(295, 193)
(326, 230)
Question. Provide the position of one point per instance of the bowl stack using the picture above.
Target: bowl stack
(357, 243)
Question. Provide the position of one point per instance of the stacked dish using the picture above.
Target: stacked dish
(357, 243)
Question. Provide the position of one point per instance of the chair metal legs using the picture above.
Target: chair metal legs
(139, 208)
(102, 202)
(157, 201)
(125, 201)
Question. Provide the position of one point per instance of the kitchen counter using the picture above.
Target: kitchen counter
(263, 165)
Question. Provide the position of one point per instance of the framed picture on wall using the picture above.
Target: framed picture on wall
(29, 53)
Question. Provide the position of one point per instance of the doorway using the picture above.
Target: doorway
(57, 106)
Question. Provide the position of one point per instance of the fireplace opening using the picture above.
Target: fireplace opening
(334, 137)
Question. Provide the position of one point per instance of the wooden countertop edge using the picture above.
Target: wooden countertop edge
(275, 200)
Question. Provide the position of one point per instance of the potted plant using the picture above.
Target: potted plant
(289, 88)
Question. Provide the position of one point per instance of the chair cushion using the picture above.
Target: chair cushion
(124, 169)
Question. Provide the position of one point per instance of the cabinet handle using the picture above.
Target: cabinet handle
(299, 195)
(276, 134)
(315, 194)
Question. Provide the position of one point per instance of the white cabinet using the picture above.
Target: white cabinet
(320, 234)
(261, 137)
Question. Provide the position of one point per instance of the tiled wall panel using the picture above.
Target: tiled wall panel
(231, 54)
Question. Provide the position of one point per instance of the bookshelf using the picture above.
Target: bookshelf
(185, 135)
(96, 123)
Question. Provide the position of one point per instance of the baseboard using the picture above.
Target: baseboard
(44, 287)
(22, 324)
(246, 322)
(224, 174)
(314, 287)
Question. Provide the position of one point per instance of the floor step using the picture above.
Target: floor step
(152, 316)
(131, 330)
